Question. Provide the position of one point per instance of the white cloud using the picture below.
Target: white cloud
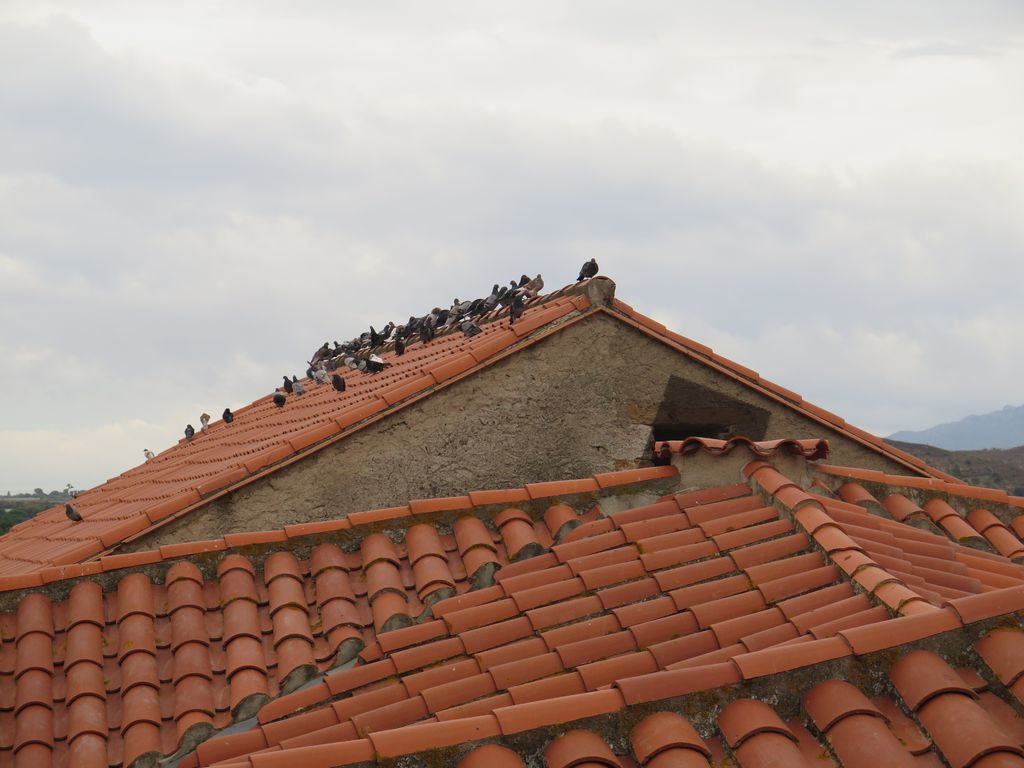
(193, 197)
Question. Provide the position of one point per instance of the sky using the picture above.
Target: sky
(195, 195)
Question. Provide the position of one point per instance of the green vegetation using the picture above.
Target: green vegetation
(16, 507)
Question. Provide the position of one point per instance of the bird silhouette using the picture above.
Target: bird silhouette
(72, 514)
(279, 399)
(148, 454)
(204, 421)
(287, 385)
(516, 309)
(338, 382)
(298, 388)
(399, 347)
(228, 416)
(190, 431)
(588, 270)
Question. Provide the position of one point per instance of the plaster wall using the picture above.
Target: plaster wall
(579, 402)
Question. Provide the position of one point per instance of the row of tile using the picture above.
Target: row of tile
(353, 525)
(813, 449)
(927, 713)
(261, 436)
(979, 528)
(204, 652)
(697, 590)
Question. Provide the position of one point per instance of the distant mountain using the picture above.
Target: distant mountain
(990, 468)
(999, 429)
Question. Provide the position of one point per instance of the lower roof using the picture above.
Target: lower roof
(614, 620)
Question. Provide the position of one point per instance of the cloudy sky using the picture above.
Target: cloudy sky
(194, 195)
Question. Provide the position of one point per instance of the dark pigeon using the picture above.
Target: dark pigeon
(189, 431)
(338, 382)
(279, 399)
(470, 328)
(228, 416)
(523, 280)
(516, 310)
(399, 347)
(375, 338)
(588, 270)
(287, 385)
(72, 514)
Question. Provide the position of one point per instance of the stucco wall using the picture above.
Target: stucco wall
(580, 402)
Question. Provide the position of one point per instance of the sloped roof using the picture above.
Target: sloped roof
(518, 616)
(264, 438)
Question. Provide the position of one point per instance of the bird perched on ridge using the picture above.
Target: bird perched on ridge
(399, 347)
(228, 416)
(148, 454)
(533, 287)
(588, 270)
(469, 328)
(338, 382)
(320, 376)
(279, 399)
(297, 387)
(204, 422)
(72, 514)
(287, 385)
(516, 309)
(190, 431)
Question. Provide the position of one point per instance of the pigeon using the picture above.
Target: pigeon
(287, 385)
(338, 382)
(204, 420)
(279, 399)
(523, 280)
(374, 364)
(516, 309)
(320, 376)
(588, 270)
(228, 416)
(148, 454)
(298, 388)
(375, 338)
(189, 431)
(385, 334)
(492, 301)
(72, 514)
(399, 347)
(470, 328)
(533, 287)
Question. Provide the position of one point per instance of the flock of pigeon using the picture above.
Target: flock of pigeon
(361, 352)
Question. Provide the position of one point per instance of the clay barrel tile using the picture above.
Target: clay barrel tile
(85, 680)
(135, 597)
(832, 700)
(325, 557)
(234, 562)
(135, 635)
(520, 539)
(665, 731)
(381, 576)
(379, 548)
(285, 591)
(35, 687)
(87, 715)
(185, 593)
(84, 643)
(237, 584)
(491, 756)
(34, 614)
(470, 532)
(333, 584)
(390, 611)
(193, 694)
(421, 541)
(579, 748)
(139, 669)
(432, 573)
(560, 519)
(281, 564)
(1003, 652)
(744, 718)
(241, 619)
(85, 605)
(192, 659)
(921, 675)
(188, 625)
(183, 569)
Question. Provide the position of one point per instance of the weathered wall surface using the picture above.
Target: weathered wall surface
(580, 402)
